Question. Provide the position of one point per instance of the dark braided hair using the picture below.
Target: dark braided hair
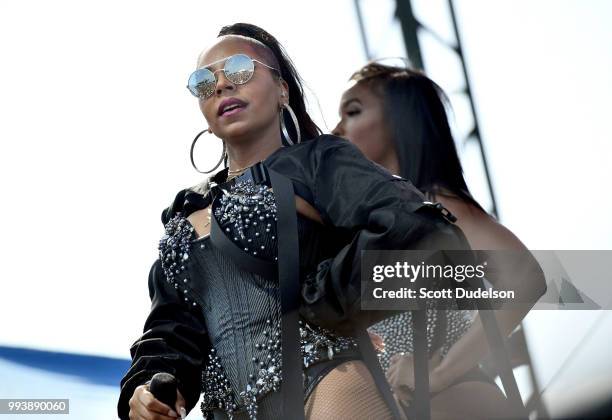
(308, 128)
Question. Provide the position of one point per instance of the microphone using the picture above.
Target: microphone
(163, 387)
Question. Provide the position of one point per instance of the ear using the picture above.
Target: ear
(284, 93)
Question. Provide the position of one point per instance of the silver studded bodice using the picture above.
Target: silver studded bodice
(396, 332)
(247, 214)
(242, 308)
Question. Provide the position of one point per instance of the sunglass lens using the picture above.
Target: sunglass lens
(239, 69)
(202, 83)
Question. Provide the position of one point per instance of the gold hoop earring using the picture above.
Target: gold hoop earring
(223, 154)
(295, 124)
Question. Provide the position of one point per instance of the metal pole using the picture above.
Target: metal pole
(364, 38)
(410, 28)
(468, 91)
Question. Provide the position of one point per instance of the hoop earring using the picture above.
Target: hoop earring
(295, 123)
(223, 155)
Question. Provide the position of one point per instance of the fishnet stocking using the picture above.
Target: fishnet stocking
(347, 392)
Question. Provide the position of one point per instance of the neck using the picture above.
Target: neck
(391, 162)
(247, 152)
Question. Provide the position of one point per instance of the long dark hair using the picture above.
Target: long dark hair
(415, 111)
(308, 128)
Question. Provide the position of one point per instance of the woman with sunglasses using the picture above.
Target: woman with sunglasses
(255, 295)
(397, 118)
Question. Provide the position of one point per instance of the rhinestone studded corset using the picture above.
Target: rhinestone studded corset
(396, 332)
(242, 308)
(247, 214)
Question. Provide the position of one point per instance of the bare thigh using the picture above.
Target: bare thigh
(470, 400)
(347, 392)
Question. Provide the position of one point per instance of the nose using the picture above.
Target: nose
(339, 130)
(222, 82)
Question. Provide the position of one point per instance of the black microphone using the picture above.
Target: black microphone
(163, 387)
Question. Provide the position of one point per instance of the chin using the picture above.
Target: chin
(236, 129)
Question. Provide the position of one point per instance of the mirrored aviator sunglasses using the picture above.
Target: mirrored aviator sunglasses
(238, 69)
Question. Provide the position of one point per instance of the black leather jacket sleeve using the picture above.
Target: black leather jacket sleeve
(174, 341)
(382, 211)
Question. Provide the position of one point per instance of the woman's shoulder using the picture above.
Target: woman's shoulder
(482, 230)
(494, 235)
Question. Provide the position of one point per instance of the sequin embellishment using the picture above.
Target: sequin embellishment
(248, 211)
(174, 248)
(397, 332)
(316, 344)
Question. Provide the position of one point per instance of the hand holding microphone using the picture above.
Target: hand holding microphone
(158, 400)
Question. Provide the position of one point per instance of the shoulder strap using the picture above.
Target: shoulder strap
(292, 389)
(371, 361)
(287, 269)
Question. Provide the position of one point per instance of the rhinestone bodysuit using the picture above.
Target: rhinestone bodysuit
(241, 308)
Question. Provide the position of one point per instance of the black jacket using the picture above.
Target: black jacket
(363, 206)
